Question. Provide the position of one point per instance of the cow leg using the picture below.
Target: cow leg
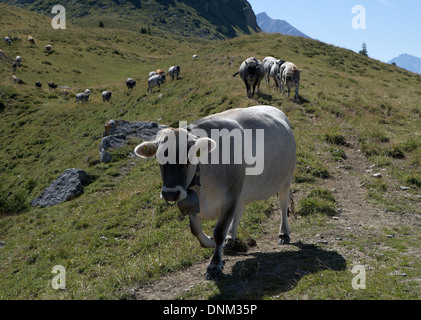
(297, 86)
(283, 197)
(197, 230)
(232, 231)
(214, 270)
(248, 89)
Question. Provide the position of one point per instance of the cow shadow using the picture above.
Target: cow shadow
(273, 273)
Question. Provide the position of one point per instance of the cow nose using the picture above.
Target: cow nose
(171, 196)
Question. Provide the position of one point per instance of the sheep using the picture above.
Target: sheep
(52, 85)
(195, 56)
(8, 41)
(31, 40)
(48, 48)
(156, 80)
(130, 83)
(18, 60)
(174, 72)
(106, 96)
(38, 84)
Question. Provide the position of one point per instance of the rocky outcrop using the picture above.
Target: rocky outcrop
(67, 186)
(117, 132)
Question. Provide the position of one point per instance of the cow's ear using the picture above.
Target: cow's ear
(205, 145)
(146, 150)
(201, 147)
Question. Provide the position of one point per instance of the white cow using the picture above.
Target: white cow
(274, 72)
(197, 176)
(174, 72)
(156, 80)
(267, 65)
(290, 75)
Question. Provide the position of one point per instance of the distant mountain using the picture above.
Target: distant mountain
(408, 62)
(267, 24)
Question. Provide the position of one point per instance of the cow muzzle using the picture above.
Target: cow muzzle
(173, 195)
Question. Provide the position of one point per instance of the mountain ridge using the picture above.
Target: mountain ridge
(408, 62)
(267, 24)
(208, 19)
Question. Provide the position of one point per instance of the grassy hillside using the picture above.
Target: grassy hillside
(208, 19)
(119, 234)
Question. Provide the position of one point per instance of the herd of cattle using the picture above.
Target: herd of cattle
(155, 79)
(252, 72)
(228, 186)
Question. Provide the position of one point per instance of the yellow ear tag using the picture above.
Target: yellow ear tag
(198, 153)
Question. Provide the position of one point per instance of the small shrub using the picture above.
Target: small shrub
(335, 138)
(16, 203)
(395, 153)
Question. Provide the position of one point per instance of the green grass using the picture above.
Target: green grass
(118, 233)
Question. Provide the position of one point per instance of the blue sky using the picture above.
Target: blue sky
(392, 27)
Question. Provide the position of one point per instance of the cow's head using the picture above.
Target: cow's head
(294, 75)
(178, 153)
(253, 68)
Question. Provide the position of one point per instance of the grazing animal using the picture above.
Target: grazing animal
(64, 93)
(48, 48)
(31, 40)
(17, 80)
(52, 85)
(8, 41)
(274, 72)
(18, 60)
(130, 83)
(267, 66)
(155, 80)
(106, 96)
(290, 75)
(194, 57)
(204, 186)
(174, 72)
(82, 97)
(151, 74)
(38, 84)
(252, 73)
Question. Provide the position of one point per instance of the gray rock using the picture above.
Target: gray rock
(117, 132)
(66, 187)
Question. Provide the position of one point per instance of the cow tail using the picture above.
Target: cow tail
(236, 74)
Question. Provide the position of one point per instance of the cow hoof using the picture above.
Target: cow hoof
(213, 273)
(284, 239)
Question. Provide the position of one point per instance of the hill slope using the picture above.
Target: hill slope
(267, 24)
(119, 235)
(210, 19)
